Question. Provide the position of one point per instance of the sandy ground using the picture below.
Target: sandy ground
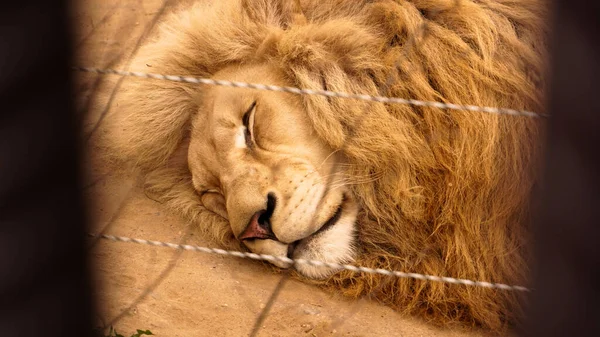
(176, 293)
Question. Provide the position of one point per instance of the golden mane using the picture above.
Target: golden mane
(451, 194)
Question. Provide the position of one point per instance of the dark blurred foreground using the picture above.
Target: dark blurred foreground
(566, 299)
(44, 286)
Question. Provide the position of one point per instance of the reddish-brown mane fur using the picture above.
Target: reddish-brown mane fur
(451, 196)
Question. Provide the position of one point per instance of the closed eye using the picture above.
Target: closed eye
(203, 191)
(248, 121)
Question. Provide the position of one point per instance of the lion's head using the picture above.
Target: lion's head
(256, 160)
(393, 186)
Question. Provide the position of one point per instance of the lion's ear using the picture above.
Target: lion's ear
(269, 46)
(340, 42)
(278, 16)
(274, 13)
(334, 56)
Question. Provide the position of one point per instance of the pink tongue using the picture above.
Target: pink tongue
(254, 230)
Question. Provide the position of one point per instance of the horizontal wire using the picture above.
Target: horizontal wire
(380, 99)
(314, 263)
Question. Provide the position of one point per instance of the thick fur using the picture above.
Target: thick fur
(451, 190)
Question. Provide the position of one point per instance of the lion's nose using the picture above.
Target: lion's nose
(259, 226)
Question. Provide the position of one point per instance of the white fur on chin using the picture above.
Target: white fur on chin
(335, 245)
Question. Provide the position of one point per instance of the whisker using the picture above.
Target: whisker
(326, 158)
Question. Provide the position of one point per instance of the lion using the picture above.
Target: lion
(402, 187)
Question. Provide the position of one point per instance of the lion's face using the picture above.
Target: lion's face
(256, 161)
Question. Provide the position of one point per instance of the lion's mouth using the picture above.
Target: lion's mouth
(337, 215)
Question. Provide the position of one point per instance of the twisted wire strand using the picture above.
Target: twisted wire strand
(314, 263)
(298, 91)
